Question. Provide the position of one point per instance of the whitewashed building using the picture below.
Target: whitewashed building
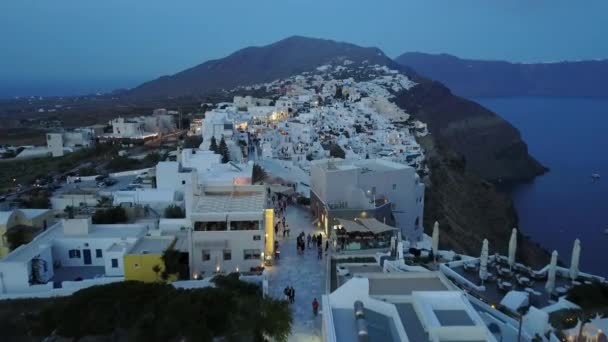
(228, 226)
(385, 190)
(70, 250)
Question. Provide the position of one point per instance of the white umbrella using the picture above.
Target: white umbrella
(483, 261)
(512, 247)
(576, 254)
(550, 286)
(435, 245)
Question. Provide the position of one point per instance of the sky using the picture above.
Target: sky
(81, 45)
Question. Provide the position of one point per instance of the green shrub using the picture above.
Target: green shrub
(110, 216)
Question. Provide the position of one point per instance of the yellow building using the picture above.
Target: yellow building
(269, 235)
(33, 220)
(144, 261)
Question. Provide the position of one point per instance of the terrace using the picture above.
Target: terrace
(502, 279)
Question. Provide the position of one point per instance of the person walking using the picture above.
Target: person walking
(315, 307)
(319, 252)
(292, 293)
(308, 238)
(286, 292)
(326, 246)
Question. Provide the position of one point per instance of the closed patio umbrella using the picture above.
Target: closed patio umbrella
(483, 261)
(576, 254)
(550, 285)
(512, 247)
(435, 245)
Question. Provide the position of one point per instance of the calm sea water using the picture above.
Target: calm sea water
(570, 136)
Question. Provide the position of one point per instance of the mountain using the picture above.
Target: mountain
(469, 144)
(252, 65)
(492, 147)
(478, 78)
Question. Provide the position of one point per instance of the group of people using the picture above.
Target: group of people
(290, 294)
(304, 241)
(281, 224)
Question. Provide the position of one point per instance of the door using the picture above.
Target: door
(86, 253)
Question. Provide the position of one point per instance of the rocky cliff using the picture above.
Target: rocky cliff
(492, 148)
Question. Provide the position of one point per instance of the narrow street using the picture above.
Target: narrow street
(305, 273)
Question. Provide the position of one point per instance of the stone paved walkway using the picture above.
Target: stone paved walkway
(305, 273)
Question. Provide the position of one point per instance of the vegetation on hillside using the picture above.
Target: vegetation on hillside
(110, 216)
(232, 310)
(258, 174)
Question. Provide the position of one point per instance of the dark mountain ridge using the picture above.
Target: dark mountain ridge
(252, 65)
(480, 78)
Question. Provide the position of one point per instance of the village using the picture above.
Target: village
(313, 183)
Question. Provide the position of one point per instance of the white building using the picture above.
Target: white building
(127, 128)
(416, 307)
(70, 250)
(60, 142)
(249, 101)
(216, 124)
(196, 166)
(228, 226)
(388, 191)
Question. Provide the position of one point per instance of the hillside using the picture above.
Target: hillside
(251, 65)
(493, 148)
(478, 78)
(488, 147)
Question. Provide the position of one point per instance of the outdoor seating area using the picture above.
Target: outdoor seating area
(501, 278)
(363, 234)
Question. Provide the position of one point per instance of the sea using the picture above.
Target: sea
(570, 136)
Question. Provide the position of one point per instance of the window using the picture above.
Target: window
(98, 253)
(183, 182)
(74, 253)
(417, 222)
(244, 225)
(135, 265)
(210, 226)
(251, 254)
(206, 254)
(257, 237)
(114, 263)
(227, 254)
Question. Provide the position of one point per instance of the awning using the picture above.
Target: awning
(281, 189)
(375, 226)
(352, 227)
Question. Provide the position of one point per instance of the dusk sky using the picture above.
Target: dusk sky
(119, 43)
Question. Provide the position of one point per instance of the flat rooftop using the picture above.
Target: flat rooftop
(378, 325)
(230, 201)
(453, 317)
(377, 165)
(404, 286)
(151, 245)
(411, 323)
(119, 231)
